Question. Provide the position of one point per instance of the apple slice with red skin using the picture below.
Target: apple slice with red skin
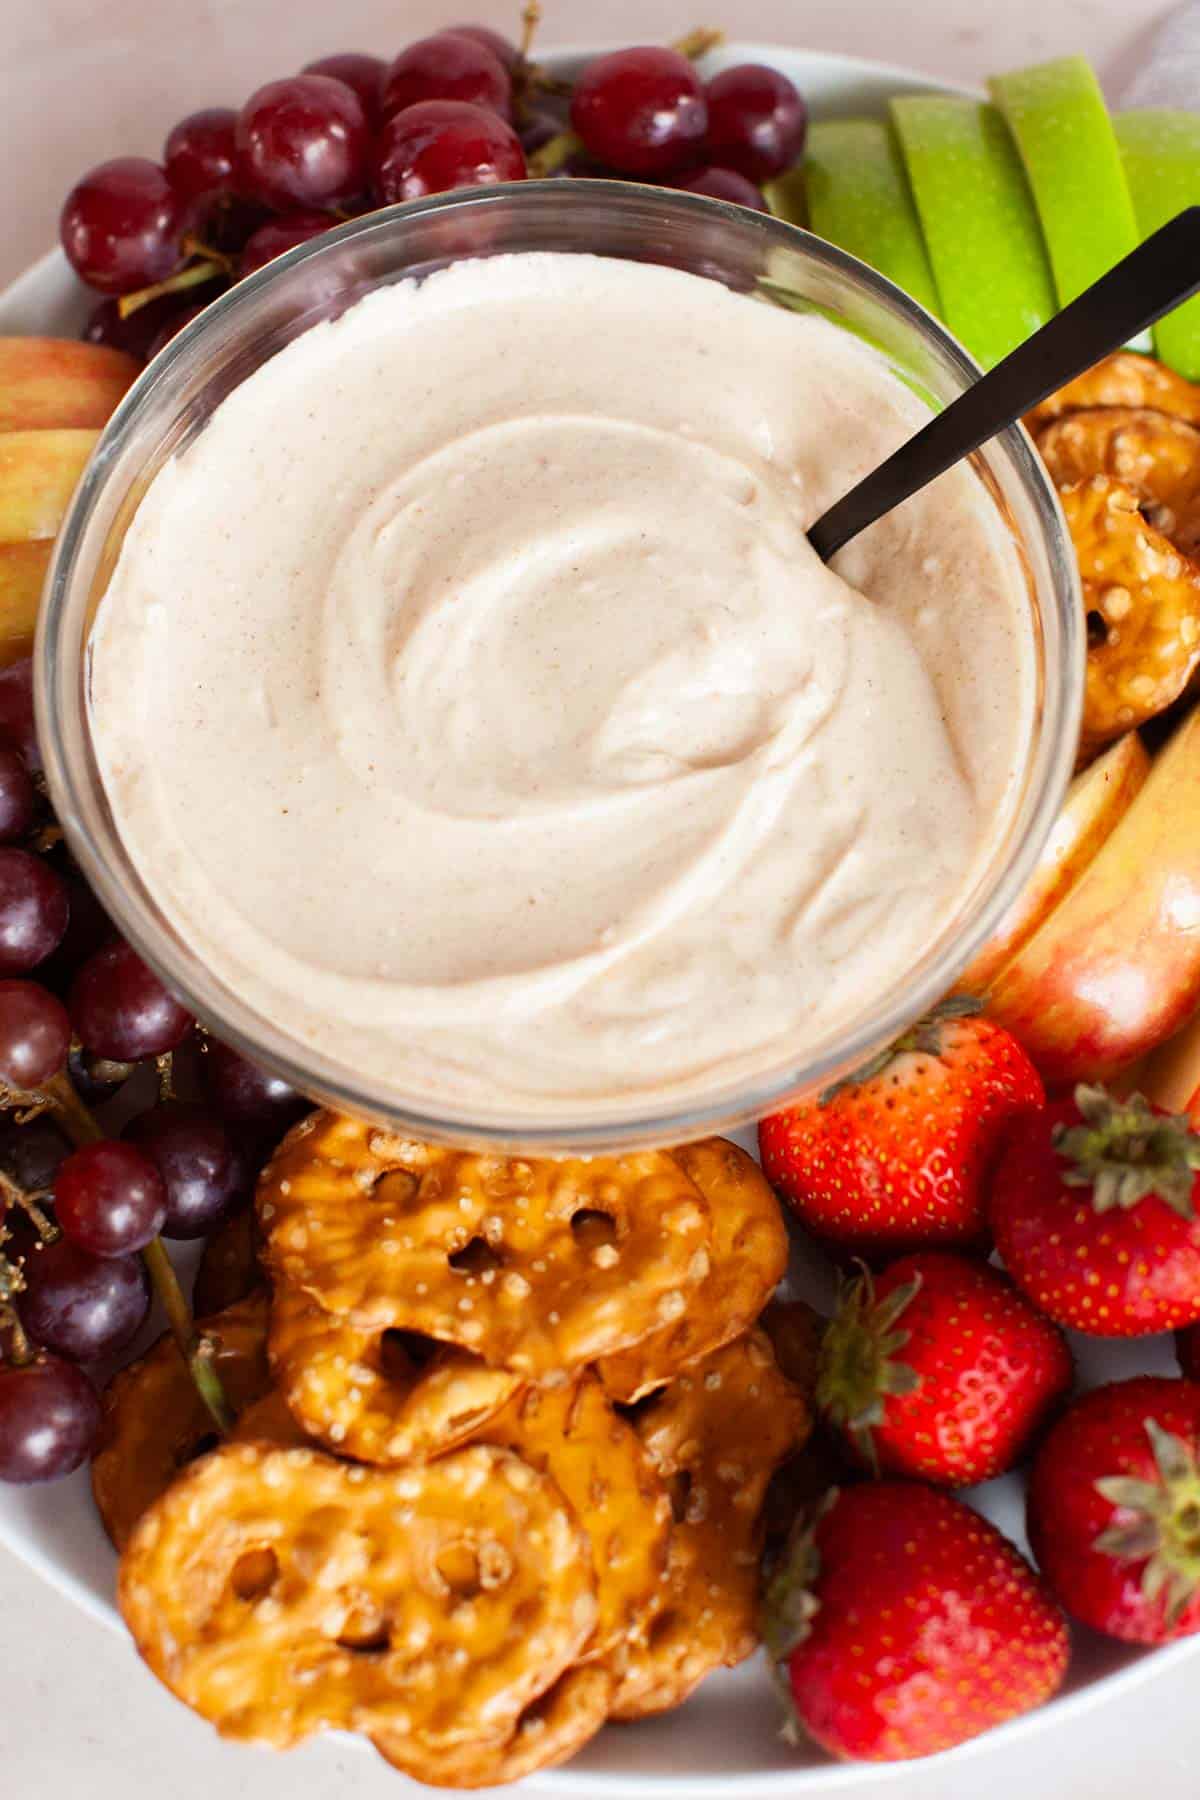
(1096, 800)
(57, 383)
(1170, 1076)
(1115, 968)
(39, 471)
(22, 576)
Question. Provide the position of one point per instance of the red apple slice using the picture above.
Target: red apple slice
(39, 471)
(22, 574)
(1171, 1076)
(55, 382)
(1115, 968)
(1095, 801)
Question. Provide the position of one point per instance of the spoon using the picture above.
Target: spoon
(1158, 276)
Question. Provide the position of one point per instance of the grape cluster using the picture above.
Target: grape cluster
(461, 108)
(79, 1011)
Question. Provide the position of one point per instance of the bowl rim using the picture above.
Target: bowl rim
(640, 1121)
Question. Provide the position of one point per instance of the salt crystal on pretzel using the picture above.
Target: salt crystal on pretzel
(748, 1258)
(549, 1731)
(510, 1257)
(379, 1396)
(572, 1434)
(1155, 456)
(715, 1434)
(1142, 597)
(280, 1593)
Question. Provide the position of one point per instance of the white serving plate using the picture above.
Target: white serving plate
(727, 1736)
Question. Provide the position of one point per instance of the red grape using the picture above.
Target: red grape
(120, 1008)
(756, 121)
(199, 155)
(641, 111)
(365, 74)
(502, 48)
(228, 226)
(303, 142)
(110, 1198)
(33, 1154)
(17, 724)
(278, 235)
(122, 226)
(444, 144)
(88, 928)
(247, 1095)
(723, 184)
(135, 334)
(18, 797)
(82, 1306)
(170, 328)
(538, 129)
(33, 910)
(448, 66)
(35, 1034)
(106, 326)
(203, 1171)
(49, 1419)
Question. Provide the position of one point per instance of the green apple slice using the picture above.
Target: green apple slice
(981, 226)
(785, 196)
(856, 195)
(1161, 153)
(1057, 115)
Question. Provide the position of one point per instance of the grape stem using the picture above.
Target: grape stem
(165, 1070)
(82, 1127)
(196, 1349)
(554, 153)
(531, 18)
(13, 1194)
(699, 42)
(195, 275)
(195, 246)
(78, 1120)
(528, 76)
(19, 1351)
(24, 1106)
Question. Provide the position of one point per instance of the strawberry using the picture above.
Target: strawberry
(905, 1624)
(940, 1369)
(1114, 1509)
(895, 1157)
(1093, 1210)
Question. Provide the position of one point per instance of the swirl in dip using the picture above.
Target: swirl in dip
(470, 699)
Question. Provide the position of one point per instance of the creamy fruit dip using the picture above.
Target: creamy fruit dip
(471, 701)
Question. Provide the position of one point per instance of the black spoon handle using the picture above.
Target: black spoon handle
(1159, 275)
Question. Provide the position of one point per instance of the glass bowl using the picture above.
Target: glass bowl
(170, 404)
